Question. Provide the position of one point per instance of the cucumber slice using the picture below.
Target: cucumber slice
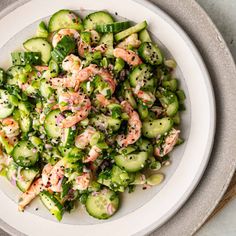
(24, 154)
(64, 19)
(119, 177)
(146, 146)
(2, 76)
(102, 204)
(113, 28)
(170, 102)
(97, 18)
(12, 172)
(143, 111)
(132, 162)
(131, 30)
(42, 30)
(144, 36)
(26, 179)
(25, 122)
(64, 47)
(52, 204)
(39, 45)
(150, 53)
(140, 74)
(45, 90)
(130, 98)
(68, 137)
(50, 124)
(151, 129)
(23, 58)
(5, 106)
(108, 40)
(6, 144)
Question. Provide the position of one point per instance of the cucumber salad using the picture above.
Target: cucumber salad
(88, 110)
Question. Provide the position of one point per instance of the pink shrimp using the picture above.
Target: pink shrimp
(103, 101)
(92, 70)
(169, 143)
(78, 103)
(83, 181)
(56, 176)
(134, 126)
(84, 48)
(34, 190)
(93, 154)
(10, 127)
(132, 40)
(45, 174)
(82, 140)
(146, 97)
(127, 55)
(64, 32)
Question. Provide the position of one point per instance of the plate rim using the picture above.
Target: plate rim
(211, 96)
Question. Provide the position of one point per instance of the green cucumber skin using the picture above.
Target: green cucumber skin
(152, 129)
(97, 18)
(41, 45)
(134, 29)
(106, 195)
(56, 21)
(150, 53)
(113, 27)
(23, 58)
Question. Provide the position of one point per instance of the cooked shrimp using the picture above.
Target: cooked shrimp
(41, 68)
(134, 126)
(10, 127)
(103, 101)
(146, 97)
(169, 143)
(82, 140)
(93, 154)
(92, 70)
(56, 176)
(34, 190)
(94, 36)
(132, 41)
(45, 174)
(78, 103)
(72, 64)
(82, 181)
(64, 32)
(127, 55)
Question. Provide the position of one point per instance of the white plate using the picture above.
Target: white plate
(143, 210)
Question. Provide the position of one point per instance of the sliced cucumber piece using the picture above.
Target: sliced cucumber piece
(108, 40)
(24, 154)
(102, 204)
(25, 122)
(130, 98)
(52, 204)
(6, 107)
(113, 27)
(3, 76)
(132, 162)
(144, 36)
(45, 89)
(64, 47)
(50, 124)
(64, 19)
(6, 144)
(146, 146)
(97, 18)
(150, 53)
(23, 58)
(42, 30)
(119, 177)
(152, 129)
(68, 137)
(26, 178)
(39, 45)
(131, 30)
(140, 74)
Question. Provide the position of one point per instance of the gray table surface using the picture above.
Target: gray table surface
(224, 16)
